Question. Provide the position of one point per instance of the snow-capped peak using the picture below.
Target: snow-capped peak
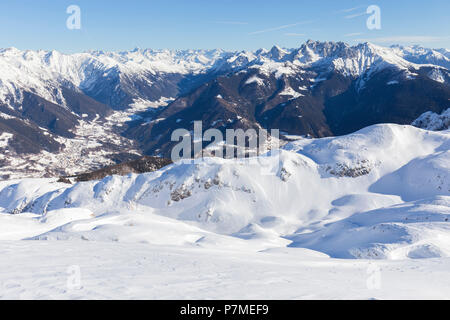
(277, 53)
(43, 72)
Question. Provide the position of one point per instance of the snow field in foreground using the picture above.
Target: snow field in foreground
(105, 270)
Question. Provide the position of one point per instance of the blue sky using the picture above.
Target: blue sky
(227, 24)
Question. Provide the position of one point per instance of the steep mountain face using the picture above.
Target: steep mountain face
(113, 107)
(383, 100)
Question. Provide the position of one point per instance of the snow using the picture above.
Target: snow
(418, 229)
(6, 116)
(43, 270)
(437, 75)
(44, 72)
(318, 80)
(288, 91)
(156, 120)
(313, 220)
(4, 139)
(278, 69)
(433, 121)
(17, 227)
(421, 55)
(255, 79)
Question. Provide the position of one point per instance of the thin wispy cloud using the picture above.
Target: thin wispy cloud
(279, 27)
(404, 39)
(231, 22)
(351, 16)
(353, 34)
(350, 9)
(293, 34)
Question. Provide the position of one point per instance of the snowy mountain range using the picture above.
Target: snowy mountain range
(65, 114)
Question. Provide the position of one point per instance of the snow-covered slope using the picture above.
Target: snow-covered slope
(416, 229)
(421, 55)
(115, 270)
(433, 121)
(291, 195)
(229, 228)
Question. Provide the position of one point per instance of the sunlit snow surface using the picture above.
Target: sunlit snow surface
(359, 216)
